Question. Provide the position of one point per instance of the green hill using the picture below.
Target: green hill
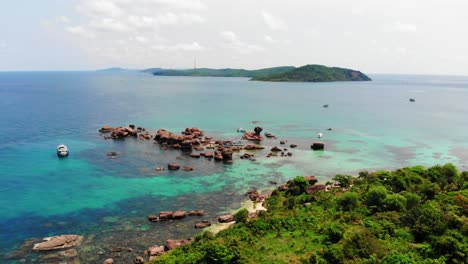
(411, 215)
(308, 73)
(315, 73)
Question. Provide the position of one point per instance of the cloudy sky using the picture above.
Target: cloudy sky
(374, 36)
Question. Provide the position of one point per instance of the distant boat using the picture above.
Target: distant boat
(325, 105)
(412, 100)
(241, 130)
(62, 150)
(320, 135)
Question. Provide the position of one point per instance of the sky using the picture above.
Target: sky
(373, 36)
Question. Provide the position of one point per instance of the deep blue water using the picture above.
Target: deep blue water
(374, 127)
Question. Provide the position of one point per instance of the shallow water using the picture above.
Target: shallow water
(374, 127)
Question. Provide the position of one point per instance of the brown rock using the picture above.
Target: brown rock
(202, 224)
(171, 244)
(209, 155)
(173, 166)
(58, 242)
(106, 129)
(253, 147)
(252, 136)
(187, 168)
(275, 149)
(155, 250)
(153, 218)
(165, 215)
(197, 213)
(293, 146)
(108, 261)
(179, 214)
(226, 218)
(227, 154)
(194, 155)
(269, 135)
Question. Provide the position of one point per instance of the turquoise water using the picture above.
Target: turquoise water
(374, 127)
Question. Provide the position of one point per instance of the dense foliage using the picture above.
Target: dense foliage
(315, 73)
(223, 72)
(411, 215)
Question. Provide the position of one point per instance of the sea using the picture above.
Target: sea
(367, 126)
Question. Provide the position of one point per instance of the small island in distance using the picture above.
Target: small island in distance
(307, 73)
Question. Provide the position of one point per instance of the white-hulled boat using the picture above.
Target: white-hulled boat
(319, 135)
(62, 150)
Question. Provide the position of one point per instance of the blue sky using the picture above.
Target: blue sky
(422, 37)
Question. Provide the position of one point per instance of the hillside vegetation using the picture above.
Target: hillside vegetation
(308, 73)
(411, 215)
(315, 73)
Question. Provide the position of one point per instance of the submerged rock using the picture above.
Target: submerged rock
(58, 242)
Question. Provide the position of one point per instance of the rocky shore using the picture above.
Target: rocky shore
(195, 145)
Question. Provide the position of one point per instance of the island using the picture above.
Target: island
(307, 73)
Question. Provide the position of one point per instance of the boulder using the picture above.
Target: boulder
(187, 168)
(197, 213)
(179, 214)
(173, 166)
(171, 244)
(153, 218)
(58, 242)
(106, 129)
(227, 154)
(218, 155)
(269, 135)
(203, 224)
(289, 154)
(209, 155)
(165, 215)
(194, 155)
(226, 218)
(275, 149)
(293, 146)
(252, 136)
(155, 250)
(108, 261)
(318, 146)
(254, 196)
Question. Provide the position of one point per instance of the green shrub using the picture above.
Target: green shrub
(241, 216)
(348, 201)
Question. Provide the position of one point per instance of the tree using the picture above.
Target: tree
(375, 197)
(348, 201)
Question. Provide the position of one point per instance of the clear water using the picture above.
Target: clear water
(374, 127)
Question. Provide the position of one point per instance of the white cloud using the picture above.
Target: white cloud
(63, 19)
(233, 42)
(348, 34)
(194, 46)
(268, 39)
(81, 31)
(404, 27)
(272, 22)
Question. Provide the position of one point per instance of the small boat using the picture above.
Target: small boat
(241, 130)
(412, 100)
(320, 135)
(62, 150)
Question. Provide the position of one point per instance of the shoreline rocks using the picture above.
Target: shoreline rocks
(58, 242)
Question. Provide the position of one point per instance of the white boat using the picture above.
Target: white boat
(62, 150)
(241, 130)
(320, 135)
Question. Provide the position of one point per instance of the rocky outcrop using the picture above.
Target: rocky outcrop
(123, 132)
(226, 153)
(196, 213)
(165, 215)
(155, 250)
(58, 242)
(179, 214)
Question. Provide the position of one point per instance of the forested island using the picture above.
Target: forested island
(411, 215)
(307, 73)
